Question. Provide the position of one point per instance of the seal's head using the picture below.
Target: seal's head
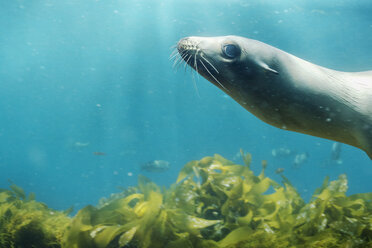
(225, 60)
(243, 68)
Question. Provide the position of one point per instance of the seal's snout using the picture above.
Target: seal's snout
(188, 45)
(183, 41)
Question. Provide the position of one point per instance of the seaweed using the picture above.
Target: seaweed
(26, 223)
(214, 203)
(139, 220)
(217, 203)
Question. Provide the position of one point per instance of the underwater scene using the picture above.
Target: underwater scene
(158, 123)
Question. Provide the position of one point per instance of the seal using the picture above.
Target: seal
(285, 91)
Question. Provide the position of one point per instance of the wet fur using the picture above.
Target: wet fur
(286, 91)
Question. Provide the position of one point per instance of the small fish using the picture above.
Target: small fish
(81, 144)
(99, 153)
(300, 159)
(279, 170)
(281, 152)
(155, 166)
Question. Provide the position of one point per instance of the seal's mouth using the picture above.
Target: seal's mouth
(187, 45)
(189, 51)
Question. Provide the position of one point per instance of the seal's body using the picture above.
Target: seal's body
(284, 90)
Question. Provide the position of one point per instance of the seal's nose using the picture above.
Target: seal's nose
(186, 45)
(181, 45)
(183, 40)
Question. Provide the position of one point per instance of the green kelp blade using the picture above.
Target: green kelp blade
(340, 185)
(356, 208)
(205, 162)
(146, 186)
(19, 192)
(185, 241)
(186, 223)
(150, 208)
(334, 189)
(207, 244)
(223, 160)
(77, 235)
(104, 235)
(320, 189)
(325, 195)
(184, 197)
(262, 186)
(180, 243)
(116, 213)
(238, 235)
(245, 220)
(121, 205)
(247, 157)
(199, 223)
(272, 203)
(68, 211)
(31, 197)
(147, 213)
(232, 186)
(264, 166)
(364, 196)
(286, 181)
(161, 225)
(126, 237)
(5, 196)
(291, 193)
(236, 170)
(187, 170)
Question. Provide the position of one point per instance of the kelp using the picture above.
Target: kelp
(26, 223)
(335, 218)
(215, 203)
(139, 220)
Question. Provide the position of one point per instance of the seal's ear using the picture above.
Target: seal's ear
(267, 68)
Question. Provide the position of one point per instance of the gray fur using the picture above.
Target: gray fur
(288, 92)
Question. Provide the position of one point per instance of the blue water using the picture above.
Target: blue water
(81, 77)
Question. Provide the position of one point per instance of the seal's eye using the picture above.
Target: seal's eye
(231, 51)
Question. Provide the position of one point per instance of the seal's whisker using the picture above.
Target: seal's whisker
(177, 61)
(212, 75)
(183, 56)
(175, 58)
(177, 65)
(187, 61)
(195, 64)
(206, 60)
(195, 85)
(173, 54)
(188, 58)
(174, 50)
(182, 53)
